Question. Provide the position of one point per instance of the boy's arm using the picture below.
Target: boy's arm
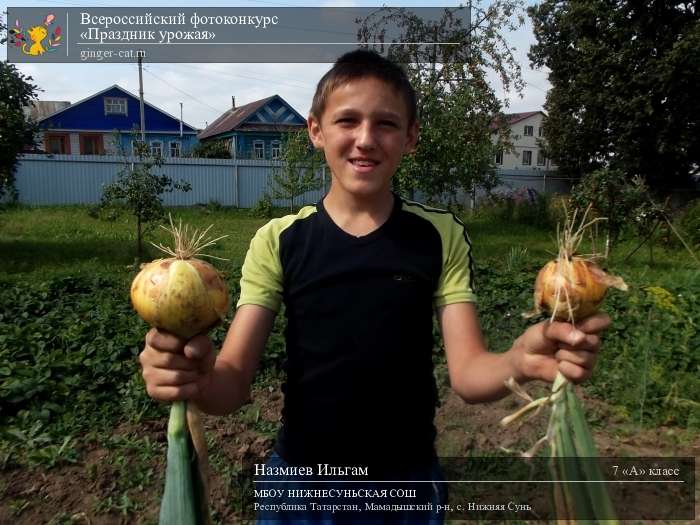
(539, 353)
(228, 386)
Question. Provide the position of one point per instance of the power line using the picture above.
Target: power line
(218, 110)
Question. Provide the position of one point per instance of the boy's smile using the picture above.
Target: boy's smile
(364, 132)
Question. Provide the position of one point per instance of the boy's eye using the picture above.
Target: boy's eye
(389, 123)
(344, 120)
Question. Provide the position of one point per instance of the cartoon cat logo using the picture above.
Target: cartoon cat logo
(31, 41)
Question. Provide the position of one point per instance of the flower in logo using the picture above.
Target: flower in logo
(31, 41)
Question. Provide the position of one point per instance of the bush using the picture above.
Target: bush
(524, 206)
(263, 209)
(211, 150)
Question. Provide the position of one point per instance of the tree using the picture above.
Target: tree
(213, 149)
(139, 190)
(622, 96)
(16, 130)
(457, 107)
(298, 174)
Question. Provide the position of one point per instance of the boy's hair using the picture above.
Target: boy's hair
(362, 64)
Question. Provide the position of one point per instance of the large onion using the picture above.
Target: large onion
(181, 294)
(572, 287)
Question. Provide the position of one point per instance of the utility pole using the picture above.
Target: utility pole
(143, 116)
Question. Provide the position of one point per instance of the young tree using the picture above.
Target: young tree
(298, 174)
(16, 131)
(457, 107)
(139, 190)
(622, 94)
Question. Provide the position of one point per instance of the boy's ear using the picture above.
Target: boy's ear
(412, 137)
(315, 133)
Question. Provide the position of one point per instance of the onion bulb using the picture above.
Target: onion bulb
(181, 294)
(572, 287)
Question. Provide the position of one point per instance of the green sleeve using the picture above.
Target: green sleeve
(261, 280)
(455, 284)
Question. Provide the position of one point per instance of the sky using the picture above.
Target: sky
(205, 90)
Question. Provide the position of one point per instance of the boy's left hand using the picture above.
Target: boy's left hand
(547, 348)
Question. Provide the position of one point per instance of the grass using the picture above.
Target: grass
(50, 242)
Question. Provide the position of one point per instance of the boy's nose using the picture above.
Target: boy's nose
(365, 136)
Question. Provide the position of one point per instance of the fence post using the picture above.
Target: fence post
(236, 187)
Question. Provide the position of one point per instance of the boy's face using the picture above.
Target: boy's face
(364, 132)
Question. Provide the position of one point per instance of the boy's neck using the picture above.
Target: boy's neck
(359, 215)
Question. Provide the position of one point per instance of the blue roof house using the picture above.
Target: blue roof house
(90, 127)
(255, 130)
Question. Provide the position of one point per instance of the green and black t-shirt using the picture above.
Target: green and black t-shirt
(359, 330)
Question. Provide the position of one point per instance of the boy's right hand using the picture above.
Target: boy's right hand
(175, 369)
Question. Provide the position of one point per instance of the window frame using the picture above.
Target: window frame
(179, 148)
(527, 154)
(499, 157)
(276, 145)
(97, 139)
(65, 143)
(110, 102)
(151, 145)
(531, 129)
(260, 143)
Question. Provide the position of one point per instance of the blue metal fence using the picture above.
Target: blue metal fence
(79, 179)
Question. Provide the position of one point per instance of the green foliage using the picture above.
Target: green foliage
(612, 195)
(456, 103)
(689, 223)
(139, 191)
(651, 357)
(622, 94)
(16, 131)
(521, 206)
(299, 172)
(213, 149)
(263, 209)
(67, 352)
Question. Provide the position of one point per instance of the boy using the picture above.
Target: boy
(360, 274)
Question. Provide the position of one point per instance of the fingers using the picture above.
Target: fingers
(583, 335)
(175, 369)
(165, 341)
(594, 324)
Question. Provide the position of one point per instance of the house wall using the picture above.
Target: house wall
(114, 145)
(514, 160)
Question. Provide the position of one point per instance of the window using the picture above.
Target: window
(529, 130)
(57, 144)
(258, 149)
(540, 131)
(115, 106)
(91, 145)
(156, 148)
(499, 156)
(174, 149)
(541, 159)
(527, 158)
(276, 149)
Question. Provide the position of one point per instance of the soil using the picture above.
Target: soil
(119, 486)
